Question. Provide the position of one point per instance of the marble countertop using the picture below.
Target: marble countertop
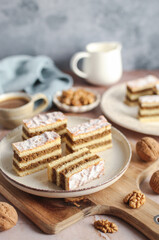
(84, 229)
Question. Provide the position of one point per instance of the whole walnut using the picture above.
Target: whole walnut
(147, 149)
(8, 216)
(154, 182)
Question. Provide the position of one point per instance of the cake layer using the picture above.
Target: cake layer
(136, 95)
(88, 128)
(37, 143)
(48, 155)
(149, 111)
(63, 160)
(44, 121)
(47, 159)
(88, 144)
(139, 91)
(87, 138)
(27, 172)
(55, 129)
(130, 103)
(149, 107)
(149, 118)
(101, 148)
(142, 83)
(32, 156)
(93, 147)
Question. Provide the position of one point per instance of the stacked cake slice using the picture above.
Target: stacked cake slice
(94, 134)
(75, 169)
(149, 108)
(139, 87)
(55, 121)
(35, 153)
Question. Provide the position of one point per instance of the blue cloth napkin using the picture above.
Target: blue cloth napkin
(32, 74)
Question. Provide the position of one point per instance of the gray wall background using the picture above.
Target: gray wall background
(59, 28)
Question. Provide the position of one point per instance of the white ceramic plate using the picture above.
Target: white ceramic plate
(116, 159)
(76, 109)
(113, 106)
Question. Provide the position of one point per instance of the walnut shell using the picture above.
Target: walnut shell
(8, 216)
(147, 149)
(154, 182)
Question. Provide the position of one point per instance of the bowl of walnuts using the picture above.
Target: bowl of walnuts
(76, 99)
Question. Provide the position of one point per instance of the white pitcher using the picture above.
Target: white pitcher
(102, 63)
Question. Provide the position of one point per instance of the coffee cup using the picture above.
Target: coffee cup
(14, 107)
(102, 63)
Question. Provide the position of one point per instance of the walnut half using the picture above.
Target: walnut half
(105, 226)
(135, 199)
(8, 216)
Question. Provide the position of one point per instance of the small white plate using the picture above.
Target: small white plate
(117, 160)
(113, 106)
(76, 109)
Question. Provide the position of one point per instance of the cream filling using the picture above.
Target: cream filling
(148, 111)
(30, 171)
(85, 135)
(149, 119)
(85, 175)
(46, 127)
(89, 143)
(21, 165)
(100, 149)
(39, 148)
(135, 96)
(149, 104)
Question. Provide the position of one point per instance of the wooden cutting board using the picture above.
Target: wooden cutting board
(53, 215)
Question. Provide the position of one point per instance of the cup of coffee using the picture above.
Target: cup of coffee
(102, 63)
(14, 107)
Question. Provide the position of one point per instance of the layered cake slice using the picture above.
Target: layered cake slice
(35, 153)
(55, 121)
(149, 108)
(94, 134)
(139, 87)
(156, 89)
(75, 169)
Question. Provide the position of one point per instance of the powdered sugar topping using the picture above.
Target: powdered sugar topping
(149, 99)
(86, 175)
(142, 82)
(92, 125)
(36, 141)
(44, 119)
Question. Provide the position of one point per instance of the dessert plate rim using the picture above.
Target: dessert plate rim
(65, 193)
(114, 108)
